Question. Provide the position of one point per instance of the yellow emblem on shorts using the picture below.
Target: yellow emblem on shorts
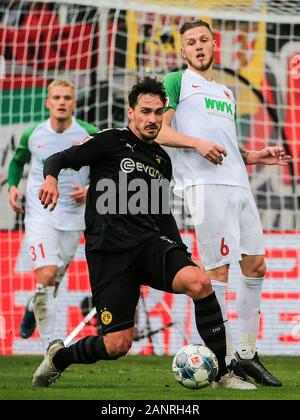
(106, 317)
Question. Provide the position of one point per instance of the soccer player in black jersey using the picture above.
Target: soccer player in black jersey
(131, 238)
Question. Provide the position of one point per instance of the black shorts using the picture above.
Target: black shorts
(116, 278)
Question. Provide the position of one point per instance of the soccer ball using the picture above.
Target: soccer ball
(195, 366)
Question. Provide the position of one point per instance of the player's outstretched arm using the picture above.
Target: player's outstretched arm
(267, 156)
(172, 138)
(99, 146)
(48, 193)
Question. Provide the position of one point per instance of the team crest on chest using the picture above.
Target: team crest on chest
(158, 159)
(227, 94)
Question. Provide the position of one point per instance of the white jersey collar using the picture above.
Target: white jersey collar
(64, 132)
(194, 73)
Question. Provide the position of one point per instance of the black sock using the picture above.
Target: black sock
(88, 350)
(210, 326)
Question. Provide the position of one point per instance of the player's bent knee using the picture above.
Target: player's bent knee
(258, 270)
(117, 345)
(120, 349)
(219, 273)
(206, 285)
(199, 285)
(261, 270)
(47, 275)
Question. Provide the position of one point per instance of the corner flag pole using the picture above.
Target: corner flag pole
(80, 326)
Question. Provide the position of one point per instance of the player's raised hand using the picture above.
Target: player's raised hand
(274, 156)
(48, 194)
(14, 199)
(269, 156)
(79, 194)
(210, 151)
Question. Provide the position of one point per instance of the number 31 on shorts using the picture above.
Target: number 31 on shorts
(34, 251)
(224, 248)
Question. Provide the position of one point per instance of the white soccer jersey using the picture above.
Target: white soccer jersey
(41, 142)
(205, 110)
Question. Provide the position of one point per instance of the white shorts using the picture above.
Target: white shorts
(49, 246)
(227, 224)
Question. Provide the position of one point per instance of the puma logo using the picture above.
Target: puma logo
(131, 147)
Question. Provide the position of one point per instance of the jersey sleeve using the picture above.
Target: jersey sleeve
(89, 128)
(15, 172)
(99, 146)
(21, 156)
(172, 85)
(169, 169)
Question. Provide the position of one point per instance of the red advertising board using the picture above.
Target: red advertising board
(170, 317)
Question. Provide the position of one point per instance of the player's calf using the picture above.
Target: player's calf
(210, 325)
(44, 309)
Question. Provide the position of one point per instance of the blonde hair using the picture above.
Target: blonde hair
(65, 83)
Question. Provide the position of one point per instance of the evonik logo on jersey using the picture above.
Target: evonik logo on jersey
(129, 165)
(220, 106)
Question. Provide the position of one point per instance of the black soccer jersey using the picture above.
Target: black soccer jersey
(121, 209)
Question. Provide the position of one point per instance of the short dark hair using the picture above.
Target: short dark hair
(193, 24)
(147, 85)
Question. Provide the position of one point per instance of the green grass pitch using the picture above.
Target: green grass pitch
(134, 378)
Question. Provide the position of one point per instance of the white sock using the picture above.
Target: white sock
(30, 303)
(220, 291)
(248, 309)
(59, 277)
(44, 309)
